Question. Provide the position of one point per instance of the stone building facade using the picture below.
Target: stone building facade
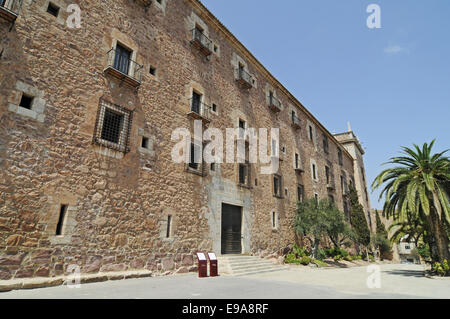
(86, 119)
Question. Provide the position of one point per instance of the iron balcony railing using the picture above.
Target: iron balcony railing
(9, 9)
(202, 41)
(121, 66)
(200, 110)
(274, 103)
(245, 78)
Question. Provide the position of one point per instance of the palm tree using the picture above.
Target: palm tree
(418, 188)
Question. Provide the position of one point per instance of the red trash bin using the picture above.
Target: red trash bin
(213, 265)
(202, 265)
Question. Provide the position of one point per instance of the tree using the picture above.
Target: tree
(317, 219)
(380, 239)
(358, 219)
(339, 231)
(418, 188)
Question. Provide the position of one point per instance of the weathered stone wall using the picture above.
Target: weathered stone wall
(118, 203)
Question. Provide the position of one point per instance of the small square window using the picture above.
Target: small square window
(153, 70)
(26, 101)
(53, 9)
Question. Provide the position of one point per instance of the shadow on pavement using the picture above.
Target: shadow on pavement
(406, 273)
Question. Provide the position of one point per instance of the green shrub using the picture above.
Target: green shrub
(320, 263)
(333, 252)
(348, 258)
(442, 269)
(321, 254)
(305, 260)
(290, 259)
(299, 252)
(338, 258)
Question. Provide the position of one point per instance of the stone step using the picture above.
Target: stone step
(250, 266)
(246, 265)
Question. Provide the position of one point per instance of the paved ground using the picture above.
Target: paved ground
(397, 281)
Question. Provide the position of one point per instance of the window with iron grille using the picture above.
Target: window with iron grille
(113, 126)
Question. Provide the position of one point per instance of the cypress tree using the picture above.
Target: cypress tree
(358, 219)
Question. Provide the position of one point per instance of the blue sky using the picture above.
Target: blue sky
(392, 84)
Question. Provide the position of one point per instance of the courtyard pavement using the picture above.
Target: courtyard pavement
(397, 281)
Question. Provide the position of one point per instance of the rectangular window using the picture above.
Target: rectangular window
(243, 174)
(196, 102)
(300, 193)
(277, 185)
(325, 143)
(26, 101)
(316, 196)
(144, 143)
(340, 157)
(60, 225)
(314, 171)
(327, 174)
(152, 70)
(297, 161)
(169, 222)
(213, 167)
(122, 59)
(274, 220)
(113, 126)
(53, 9)
(342, 184)
(241, 128)
(311, 134)
(195, 155)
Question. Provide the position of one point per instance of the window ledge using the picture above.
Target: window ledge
(244, 186)
(194, 171)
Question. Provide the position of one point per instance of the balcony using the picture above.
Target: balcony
(274, 104)
(295, 121)
(245, 80)
(122, 67)
(200, 111)
(201, 42)
(9, 9)
(331, 186)
(299, 169)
